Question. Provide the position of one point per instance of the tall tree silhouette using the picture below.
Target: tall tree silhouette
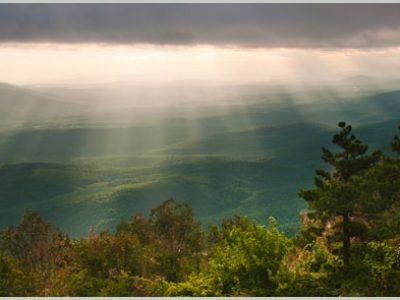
(334, 200)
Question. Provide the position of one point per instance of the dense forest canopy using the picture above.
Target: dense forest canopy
(348, 244)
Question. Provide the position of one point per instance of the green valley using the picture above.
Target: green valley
(85, 170)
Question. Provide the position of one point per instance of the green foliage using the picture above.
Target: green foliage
(382, 260)
(41, 254)
(310, 271)
(181, 237)
(197, 285)
(168, 245)
(247, 256)
(6, 277)
(357, 204)
(335, 201)
(244, 261)
(354, 207)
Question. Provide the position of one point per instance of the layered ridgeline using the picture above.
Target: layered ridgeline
(87, 157)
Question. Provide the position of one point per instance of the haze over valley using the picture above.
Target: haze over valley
(91, 155)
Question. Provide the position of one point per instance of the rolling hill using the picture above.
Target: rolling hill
(79, 171)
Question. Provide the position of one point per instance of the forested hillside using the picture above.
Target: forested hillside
(348, 243)
(90, 163)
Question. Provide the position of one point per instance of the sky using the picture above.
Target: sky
(220, 43)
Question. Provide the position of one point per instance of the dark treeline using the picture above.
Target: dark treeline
(348, 244)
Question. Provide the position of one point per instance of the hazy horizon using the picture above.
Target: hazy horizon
(80, 44)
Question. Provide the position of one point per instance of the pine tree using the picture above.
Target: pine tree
(334, 200)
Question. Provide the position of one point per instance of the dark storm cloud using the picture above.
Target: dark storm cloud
(252, 25)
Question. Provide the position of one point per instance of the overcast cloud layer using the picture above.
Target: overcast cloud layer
(245, 25)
